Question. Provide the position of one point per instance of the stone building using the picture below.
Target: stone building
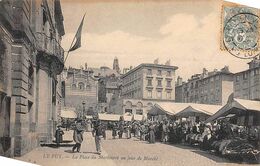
(150, 82)
(247, 83)
(108, 87)
(31, 60)
(144, 85)
(206, 88)
(80, 87)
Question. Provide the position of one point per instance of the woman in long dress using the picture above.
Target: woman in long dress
(152, 134)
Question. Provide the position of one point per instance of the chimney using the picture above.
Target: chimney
(225, 69)
(205, 72)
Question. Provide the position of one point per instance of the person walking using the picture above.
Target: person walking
(78, 135)
(97, 134)
(104, 131)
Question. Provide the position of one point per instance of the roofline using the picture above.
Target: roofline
(205, 78)
(149, 65)
(220, 73)
(248, 70)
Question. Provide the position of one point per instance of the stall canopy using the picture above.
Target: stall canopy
(108, 117)
(68, 113)
(167, 108)
(128, 118)
(138, 117)
(183, 109)
(198, 110)
(236, 106)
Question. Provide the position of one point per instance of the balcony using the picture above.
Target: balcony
(50, 50)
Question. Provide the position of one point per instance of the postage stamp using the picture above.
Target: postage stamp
(240, 31)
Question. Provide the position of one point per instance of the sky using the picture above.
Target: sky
(186, 32)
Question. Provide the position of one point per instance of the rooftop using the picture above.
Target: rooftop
(152, 65)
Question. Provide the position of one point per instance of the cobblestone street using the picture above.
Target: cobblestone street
(121, 152)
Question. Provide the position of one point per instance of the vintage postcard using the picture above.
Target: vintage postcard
(129, 82)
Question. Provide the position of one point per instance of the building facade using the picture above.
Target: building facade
(150, 82)
(206, 88)
(247, 83)
(143, 86)
(81, 89)
(123, 106)
(31, 61)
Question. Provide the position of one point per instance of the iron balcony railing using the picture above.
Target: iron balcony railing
(49, 45)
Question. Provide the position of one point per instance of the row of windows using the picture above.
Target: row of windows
(133, 93)
(244, 76)
(159, 72)
(158, 94)
(132, 77)
(81, 86)
(159, 83)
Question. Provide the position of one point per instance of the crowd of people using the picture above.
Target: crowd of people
(221, 137)
(207, 136)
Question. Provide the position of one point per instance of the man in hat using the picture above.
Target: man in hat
(97, 133)
(78, 135)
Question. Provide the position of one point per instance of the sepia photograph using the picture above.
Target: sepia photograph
(129, 82)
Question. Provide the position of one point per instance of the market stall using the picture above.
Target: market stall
(68, 115)
(199, 111)
(162, 110)
(239, 127)
(109, 117)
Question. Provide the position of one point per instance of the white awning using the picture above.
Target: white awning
(68, 113)
(128, 118)
(198, 109)
(138, 117)
(109, 117)
(168, 108)
(235, 106)
(171, 108)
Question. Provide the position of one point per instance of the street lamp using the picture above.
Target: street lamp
(83, 110)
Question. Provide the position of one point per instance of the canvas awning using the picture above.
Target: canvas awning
(68, 113)
(128, 118)
(109, 117)
(236, 106)
(138, 117)
(167, 108)
(183, 109)
(198, 110)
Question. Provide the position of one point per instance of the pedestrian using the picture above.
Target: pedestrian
(164, 132)
(78, 135)
(97, 134)
(128, 131)
(142, 131)
(152, 134)
(114, 130)
(59, 135)
(104, 131)
(121, 129)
